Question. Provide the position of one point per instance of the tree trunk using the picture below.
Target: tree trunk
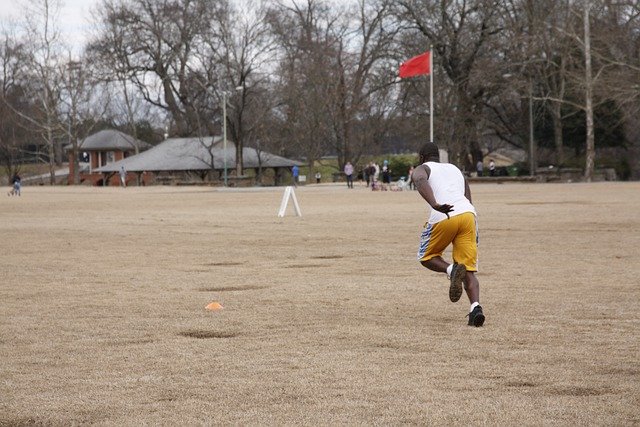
(172, 104)
(464, 132)
(557, 132)
(590, 149)
(74, 147)
(52, 157)
(59, 152)
(239, 165)
(76, 164)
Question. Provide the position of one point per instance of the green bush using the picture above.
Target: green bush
(399, 164)
(326, 167)
(512, 170)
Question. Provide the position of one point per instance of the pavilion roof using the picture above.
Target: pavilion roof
(191, 154)
(110, 140)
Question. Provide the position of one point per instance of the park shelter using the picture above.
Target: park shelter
(104, 147)
(202, 156)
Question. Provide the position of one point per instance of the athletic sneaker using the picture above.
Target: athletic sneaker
(476, 317)
(458, 273)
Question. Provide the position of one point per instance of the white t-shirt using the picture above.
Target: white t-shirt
(447, 183)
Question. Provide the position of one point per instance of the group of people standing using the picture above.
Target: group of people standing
(480, 168)
(371, 174)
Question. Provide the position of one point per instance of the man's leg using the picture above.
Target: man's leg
(465, 249)
(437, 264)
(433, 241)
(455, 272)
(465, 256)
(472, 287)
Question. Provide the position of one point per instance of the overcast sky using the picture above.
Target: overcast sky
(74, 20)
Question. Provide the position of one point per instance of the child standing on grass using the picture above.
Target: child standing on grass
(17, 185)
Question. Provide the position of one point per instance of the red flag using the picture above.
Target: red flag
(416, 66)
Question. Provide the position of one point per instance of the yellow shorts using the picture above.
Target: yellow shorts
(461, 230)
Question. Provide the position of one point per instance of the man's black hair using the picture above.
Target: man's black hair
(429, 150)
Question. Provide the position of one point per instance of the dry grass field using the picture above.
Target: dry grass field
(328, 319)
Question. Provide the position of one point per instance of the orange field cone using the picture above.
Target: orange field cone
(214, 306)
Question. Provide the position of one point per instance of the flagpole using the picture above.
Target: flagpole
(431, 93)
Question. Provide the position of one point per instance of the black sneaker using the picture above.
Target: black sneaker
(458, 273)
(476, 317)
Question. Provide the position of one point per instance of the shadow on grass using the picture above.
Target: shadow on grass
(231, 288)
(199, 334)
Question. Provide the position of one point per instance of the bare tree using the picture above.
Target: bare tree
(334, 74)
(110, 57)
(85, 100)
(588, 95)
(553, 70)
(363, 96)
(536, 64)
(459, 32)
(305, 34)
(582, 75)
(183, 55)
(242, 48)
(45, 47)
(551, 50)
(618, 33)
(74, 83)
(155, 46)
(13, 128)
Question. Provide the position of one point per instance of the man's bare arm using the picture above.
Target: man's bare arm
(467, 190)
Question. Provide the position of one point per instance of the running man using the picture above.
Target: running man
(452, 220)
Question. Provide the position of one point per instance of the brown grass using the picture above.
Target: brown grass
(328, 318)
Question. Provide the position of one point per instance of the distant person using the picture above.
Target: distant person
(318, 177)
(479, 167)
(376, 172)
(492, 168)
(123, 177)
(386, 173)
(295, 173)
(348, 171)
(369, 172)
(452, 220)
(16, 188)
